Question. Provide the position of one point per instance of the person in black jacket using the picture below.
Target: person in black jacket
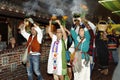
(102, 52)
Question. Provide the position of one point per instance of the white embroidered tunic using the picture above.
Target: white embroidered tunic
(55, 57)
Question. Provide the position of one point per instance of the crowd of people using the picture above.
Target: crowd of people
(83, 41)
(87, 43)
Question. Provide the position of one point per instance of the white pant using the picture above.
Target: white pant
(84, 74)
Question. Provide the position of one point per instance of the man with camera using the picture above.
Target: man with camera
(77, 22)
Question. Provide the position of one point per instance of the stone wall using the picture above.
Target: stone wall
(11, 67)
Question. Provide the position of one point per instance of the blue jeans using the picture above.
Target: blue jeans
(34, 65)
(115, 56)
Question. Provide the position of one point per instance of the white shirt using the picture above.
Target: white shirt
(39, 36)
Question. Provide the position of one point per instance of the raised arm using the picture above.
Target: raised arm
(49, 30)
(68, 32)
(38, 29)
(23, 31)
(84, 47)
(39, 33)
(73, 34)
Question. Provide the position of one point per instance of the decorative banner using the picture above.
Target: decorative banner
(113, 5)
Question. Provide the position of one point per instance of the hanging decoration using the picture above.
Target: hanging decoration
(113, 5)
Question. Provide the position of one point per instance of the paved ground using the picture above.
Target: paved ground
(96, 75)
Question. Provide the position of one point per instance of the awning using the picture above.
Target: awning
(113, 5)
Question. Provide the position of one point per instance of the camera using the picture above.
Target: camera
(76, 20)
(76, 15)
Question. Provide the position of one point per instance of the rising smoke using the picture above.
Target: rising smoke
(31, 7)
(77, 6)
(55, 7)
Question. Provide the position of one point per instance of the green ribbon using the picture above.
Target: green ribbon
(64, 62)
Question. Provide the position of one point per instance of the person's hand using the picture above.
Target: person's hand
(79, 19)
(50, 22)
(58, 21)
(73, 20)
(30, 20)
(76, 19)
(26, 22)
(22, 26)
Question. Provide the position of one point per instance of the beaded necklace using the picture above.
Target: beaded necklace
(55, 53)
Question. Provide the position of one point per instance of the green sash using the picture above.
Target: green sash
(64, 61)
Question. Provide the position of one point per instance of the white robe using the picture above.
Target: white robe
(59, 58)
(84, 74)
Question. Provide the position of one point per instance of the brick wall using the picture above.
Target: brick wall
(11, 67)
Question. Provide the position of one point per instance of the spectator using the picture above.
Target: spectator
(20, 39)
(116, 74)
(114, 40)
(12, 43)
(2, 44)
(102, 52)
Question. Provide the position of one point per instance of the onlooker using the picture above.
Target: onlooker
(2, 44)
(12, 43)
(20, 39)
(102, 52)
(33, 40)
(114, 40)
(116, 74)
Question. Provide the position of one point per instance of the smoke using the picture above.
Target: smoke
(80, 7)
(76, 6)
(66, 7)
(31, 7)
(55, 7)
